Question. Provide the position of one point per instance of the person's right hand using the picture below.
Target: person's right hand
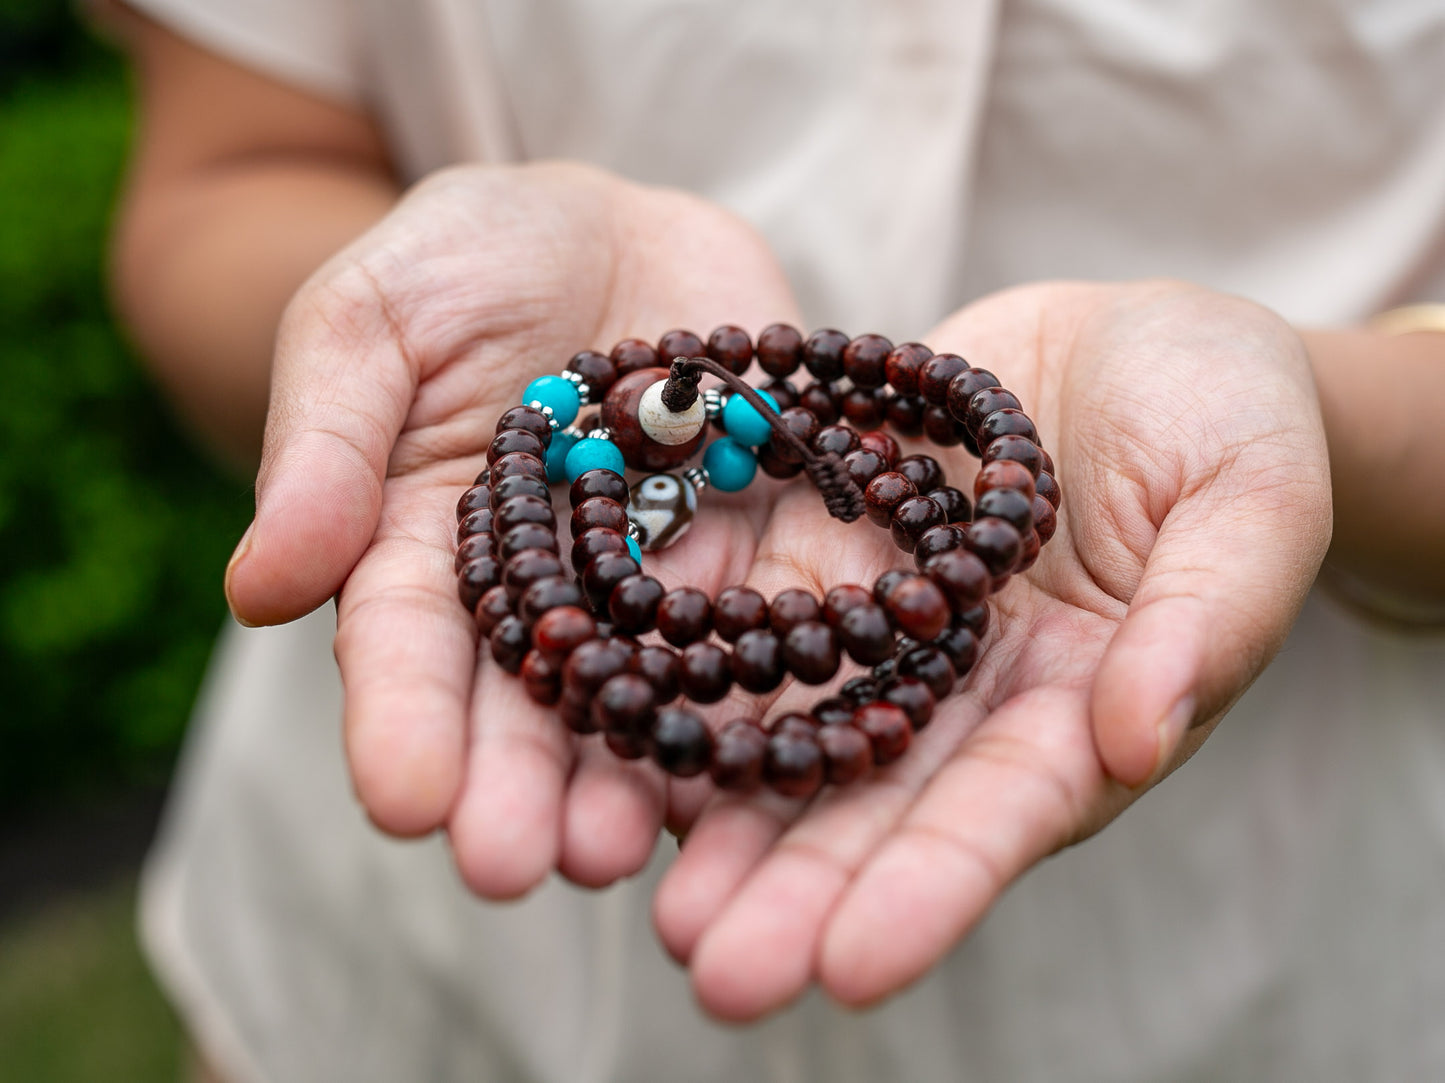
(392, 365)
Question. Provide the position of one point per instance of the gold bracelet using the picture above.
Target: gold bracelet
(1408, 319)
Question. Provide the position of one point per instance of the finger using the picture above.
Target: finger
(612, 816)
(1223, 582)
(341, 388)
(1015, 792)
(405, 649)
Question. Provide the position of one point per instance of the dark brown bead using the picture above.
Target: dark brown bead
(954, 503)
(780, 350)
(484, 478)
(510, 642)
(961, 646)
(866, 634)
(985, 401)
(477, 577)
(790, 608)
(801, 424)
(731, 347)
(823, 354)
(903, 366)
(633, 604)
(528, 418)
(591, 544)
(793, 722)
(866, 408)
(738, 610)
(1020, 449)
(931, 666)
(904, 414)
(962, 577)
(518, 463)
(598, 372)
(560, 631)
(887, 582)
(526, 567)
(546, 594)
(884, 493)
(681, 742)
(963, 387)
(598, 511)
(517, 485)
(810, 651)
(913, 696)
(1048, 488)
(863, 466)
(784, 393)
(842, 598)
(1045, 519)
(478, 496)
(620, 413)
(1048, 464)
(542, 678)
(526, 536)
(493, 606)
(591, 664)
(684, 616)
(883, 445)
(922, 470)
(599, 482)
(793, 764)
(1010, 505)
(1003, 474)
(939, 539)
(941, 429)
(628, 746)
(477, 545)
(976, 620)
(887, 729)
(705, 673)
(835, 440)
(1007, 423)
(833, 711)
(859, 690)
(679, 344)
(819, 401)
(1030, 552)
(913, 518)
(776, 464)
(737, 755)
(935, 374)
(524, 509)
(758, 661)
(624, 704)
(997, 543)
(918, 608)
(633, 355)
(515, 440)
(662, 669)
(602, 575)
(847, 753)
(475, 522)
(865, 360)
(575, 710)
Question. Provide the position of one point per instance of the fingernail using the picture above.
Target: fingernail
(1171, 729)
(243, 547)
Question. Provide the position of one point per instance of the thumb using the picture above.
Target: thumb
(1223, 583)
(341, 389)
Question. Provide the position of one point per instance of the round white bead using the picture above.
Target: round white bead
(664, 426)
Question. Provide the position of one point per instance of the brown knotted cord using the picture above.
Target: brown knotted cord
(840, 492)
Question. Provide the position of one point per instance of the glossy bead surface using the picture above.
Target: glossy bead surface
(835, 440)
(604, 483)
(904, 414)
(678, 344)
(493, 606)
(517, 485)
(961, 575)
(509, 642)
(633, 604)
(526, 567)
(864, 465)
(478, 496)
(997, 543)
(757, 661)
(591, 664)
(1007, 423)
(1048, 488)
(783, 392)
(913, 518)
(528, 418)
(865, 408)
(730, 347)
(884, 493)
(819, 401)
(597, 370)
(603, 574)
(865, 360)
(524, 509)
(480, 545)
(940, 428)
(823, 354)
(591, 544)
(598, 511)
(548, 593)
(793, 764)
(510, 440)
(514, 464)
(960, 645)
(910, 695)
(477, 577)
(936, 373)
(681, 742)
(526, 536)
(1003, 474)
(931, 666)
(1017, 448)
(560, 631)
(903, 366)
(542, 678)
(810, 651)
(939, 539)
(922, 470)
(1010, 505)
(775, 465)
(661, 668)
(961, 389)
(847, 753)
(737, 756)
(801, 424)
(859, 690)
(662, 507)
(790, 608)
(866, 634)
(780, 350)
(833, 711)
(887, 729)
(842, 599)
(624, 704)
(918, 608)
(558, 394)
(633, 355)
(730, 465)
(684, 616)
(744, 423)
(884, 445)
(705, 672)
(476, 522)
(985, 401)
(1045, 519)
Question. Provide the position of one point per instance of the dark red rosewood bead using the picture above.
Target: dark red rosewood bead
(984, 402)
(737, 756)
(961, 575)
(526, 536)
(560, 631)
(823, 354)
(547, 594)
(931, 666)
(478, 496)
(841, 599)
(866, 407)
(632, 355)
(633, 604)
(1018, 448)
(905, 414)
(518, 463)
(1045, 519)
(912, 696)
(591, 664)
(939, 539)
(777, 464)
(791, 608)
(784, 393)
(866, 634)
(934, 376)
(913, 518)
(598, 372)
(940, 427)
(859, 690)
(884, 493)
(542, 678)
(1010, 505)
(480, 545)
(836, 440)
(1003, 474)
(684, 616)
(509, 488)
(864, 465)
(529, 419)
(801, 424)
(510, 440)
(603, 574)
(494, 605)
(961, 390)
(903, 365)
(591, 544)
(975, 620)
(1048, 488)
(793, 763)
(887, 729)
(730, 347)
(961, 647)
(678, 344)
(918, 608)
(624, 704)
(954, 504)
(865, 361)
(662, 669)
(810, 650)
(886, 447)
(603, 483)
(706, 673)
(477, 577)
(525, 568)
(1030, 553)
(524, 509)
(997, 543)
(681, 742)
(780, 350)
(757, 661)
(819, 401)
(833, 711)
(475, 522)
(509, 642)
(922, 470)
(598, 511)
(885, 584)
(847, 753)
(1007, 423)
(738, 610)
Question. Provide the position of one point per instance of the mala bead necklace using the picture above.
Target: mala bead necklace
(575, 636)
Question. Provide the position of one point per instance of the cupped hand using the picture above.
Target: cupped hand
(1196, 512)
(392, 365)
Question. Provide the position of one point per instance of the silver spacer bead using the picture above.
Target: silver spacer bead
(573, 431)
(545, 411)
(601, 432)
(697, 476)
(583, 391)
(713, 403)
(633, 532)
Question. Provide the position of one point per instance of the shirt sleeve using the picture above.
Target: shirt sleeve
(314, 44)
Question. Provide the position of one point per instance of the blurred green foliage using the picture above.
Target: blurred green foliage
(114, 531)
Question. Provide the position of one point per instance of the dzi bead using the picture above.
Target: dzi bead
(662, 507)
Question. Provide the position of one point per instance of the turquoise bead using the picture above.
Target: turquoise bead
(730, 466)
(557, 393)
(556, 458)
(592, 454)
(634, 549)
(746, 425)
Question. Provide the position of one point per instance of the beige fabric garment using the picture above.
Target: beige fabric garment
(1276, 911)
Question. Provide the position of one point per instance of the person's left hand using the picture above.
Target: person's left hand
(1196, 512)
